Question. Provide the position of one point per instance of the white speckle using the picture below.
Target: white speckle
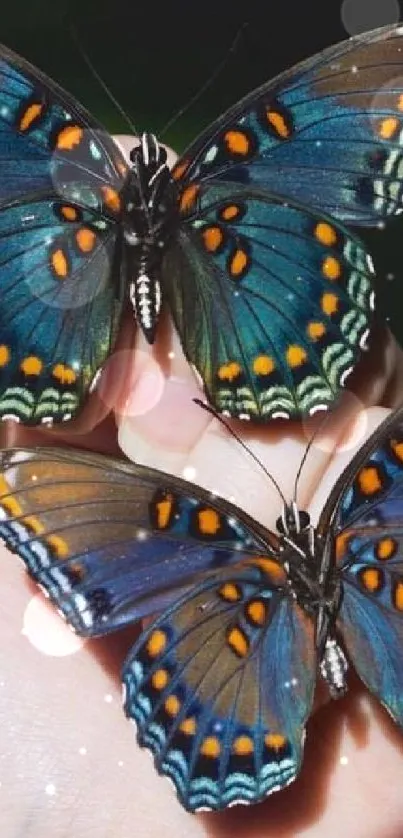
(50, 789)
(354, 68)
(120, 763)
(108, 698)
(142, 535)
(344, 760)
(189, 472)
(171, 355)
(82, 751)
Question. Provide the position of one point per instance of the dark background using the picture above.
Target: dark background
(155, 56)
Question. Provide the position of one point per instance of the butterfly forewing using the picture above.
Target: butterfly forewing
(327, 133)
(111, 541)
(59, 257)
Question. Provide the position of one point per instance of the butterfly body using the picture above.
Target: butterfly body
(149, 215)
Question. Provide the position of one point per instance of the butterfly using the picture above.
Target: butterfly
(221, 684)
(243, 242)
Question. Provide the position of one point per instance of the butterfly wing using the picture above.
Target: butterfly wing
(327, 133)
(272, 302)
(59, 257)
(221, 685)
(109, 541)
(368, 526)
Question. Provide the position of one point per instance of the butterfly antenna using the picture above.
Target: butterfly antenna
(99, 79)
(305, 454)
(233, 48)
(209, 409)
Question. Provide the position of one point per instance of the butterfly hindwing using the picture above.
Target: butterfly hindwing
(59, 263)
(221, 709)
(279, 304)
(109, 541)
(327, 133)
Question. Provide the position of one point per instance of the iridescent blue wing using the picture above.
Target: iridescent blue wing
(368, 526)
(327, 133)
(273, 302)
(59, 255)
(221, 685)
(109, 541)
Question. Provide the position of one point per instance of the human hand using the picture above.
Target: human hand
(69, 760)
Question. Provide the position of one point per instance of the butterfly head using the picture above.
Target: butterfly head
(292, 520)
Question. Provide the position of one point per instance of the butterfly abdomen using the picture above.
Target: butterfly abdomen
(147, 224)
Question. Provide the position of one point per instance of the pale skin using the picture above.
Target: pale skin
(69, 763)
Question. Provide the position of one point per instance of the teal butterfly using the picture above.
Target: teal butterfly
(243, 242)
(221, 684)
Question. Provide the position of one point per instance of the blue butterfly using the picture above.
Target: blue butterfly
(220, 685)
(243, 242)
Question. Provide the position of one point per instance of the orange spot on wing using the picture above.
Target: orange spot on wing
(212, 238)
(275, 741)
(33, 524)
(159, 679)
(164, 509)
(188, 197)
(272, 569)
(156, 643)
(69, 137)
(243, 746)
(230, 212)
(341, 546)
(31, 365)
(369, 480)
(230, 592)
(397, 448)
(188, 726)
(238, 641)
(277, 121)
(385, 549)
(256, 612)
(210, 747)
(239, 262)
(329, 303)
(263, 365)
(371, 579)
(209, 521)
(179, 170)
(316, 330)
(388, 127)
(69, 213)
(64, 374)
(172, 705)
(5, 355)
(229, 372)
(30, 116)
(11, 505)
(59, 263)
(237, 142)
(331, 268)
(111, 199)
(325, 234)
(295, 356)
(58, 546)
(398, 595)
(85, 239)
